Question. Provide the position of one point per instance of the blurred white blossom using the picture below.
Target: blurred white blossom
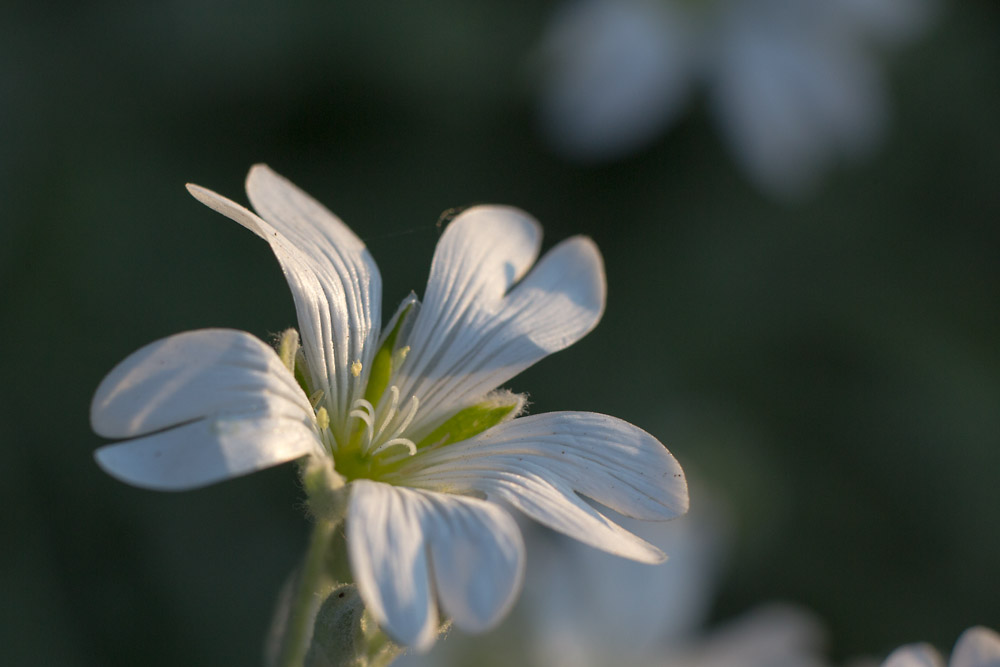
(583, 609)
(977, 647)
(795, 85)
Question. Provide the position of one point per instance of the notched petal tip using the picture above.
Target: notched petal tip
(575, 269)
(506, 239)
(478, 558)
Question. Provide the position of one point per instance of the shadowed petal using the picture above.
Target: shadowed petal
(385, 543)
(333, 278)
(207, 451)
(475, 565)
(230, 405)
(478, 559)
(474, 331)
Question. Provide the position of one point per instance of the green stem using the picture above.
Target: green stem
(312, 582)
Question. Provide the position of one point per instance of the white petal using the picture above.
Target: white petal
(540, 463)
(552, 503)
(193, 375)
(476, 559)
(471, 334)
(334, 281)
(609, 460)
(230, 405)
(977, 647)
(207, 451)
(385, 543)
(914, 655)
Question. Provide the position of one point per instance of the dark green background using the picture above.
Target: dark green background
(829, 367)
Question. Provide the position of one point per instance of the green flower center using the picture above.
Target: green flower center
(378, 445)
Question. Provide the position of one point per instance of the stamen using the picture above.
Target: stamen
(390, 411)
(411, 413)
(364, 411)
(385, 418)
(396, 442)
(361, 405)
(322, 419)
(356, 369)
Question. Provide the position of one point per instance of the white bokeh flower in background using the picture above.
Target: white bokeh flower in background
(977, 647)
(796, 86)
(582, 608)
(406, 424)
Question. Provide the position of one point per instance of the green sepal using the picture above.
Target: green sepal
(303, 377)
(498, 407)
(381, 372)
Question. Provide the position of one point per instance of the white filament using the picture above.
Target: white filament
(378, 421)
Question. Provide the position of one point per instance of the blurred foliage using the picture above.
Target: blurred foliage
(831, 367)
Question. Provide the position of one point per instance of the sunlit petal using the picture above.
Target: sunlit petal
(609, 460)
(193, 375)
(476, 329)
(334, 281)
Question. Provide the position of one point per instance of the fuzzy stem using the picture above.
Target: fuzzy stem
(311, 584)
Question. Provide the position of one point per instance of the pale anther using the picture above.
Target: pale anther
(322, 419)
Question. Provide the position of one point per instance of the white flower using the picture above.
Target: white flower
(795, 84)
(977, 647)
(409, 416)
